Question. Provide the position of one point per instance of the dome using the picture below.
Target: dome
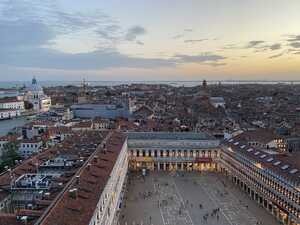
(34, 87)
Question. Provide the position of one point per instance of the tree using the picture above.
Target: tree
(9, 156)
(28, 105)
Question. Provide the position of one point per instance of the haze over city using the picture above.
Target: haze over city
(149, 40)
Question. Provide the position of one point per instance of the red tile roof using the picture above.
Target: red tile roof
(93, 177)
(78, 145)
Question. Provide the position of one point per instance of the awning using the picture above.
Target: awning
(203, 160)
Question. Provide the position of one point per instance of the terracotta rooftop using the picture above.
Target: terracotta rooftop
(259, 135)
(10, 138)
(85, 124)
(285, 165)
(80, 144)
(9, 100)
(93, 176)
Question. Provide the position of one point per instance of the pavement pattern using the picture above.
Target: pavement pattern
(189, 199)
(172, 207)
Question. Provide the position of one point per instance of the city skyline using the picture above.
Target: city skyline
(143, 40)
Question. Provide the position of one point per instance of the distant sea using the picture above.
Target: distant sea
(12, 84)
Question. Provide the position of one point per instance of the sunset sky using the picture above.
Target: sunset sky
(149, 40)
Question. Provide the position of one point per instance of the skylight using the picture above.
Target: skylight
(263, 156)
(285, 167)
(293, 171)
(277, 163)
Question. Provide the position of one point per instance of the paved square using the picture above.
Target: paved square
(192, 198)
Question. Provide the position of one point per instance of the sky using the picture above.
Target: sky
(118, 40)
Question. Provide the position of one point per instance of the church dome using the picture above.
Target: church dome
(34, 87)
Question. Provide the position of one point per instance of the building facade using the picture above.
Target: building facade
(35, 95)
(267, 179)
(184, 151)
(29, 147)
(107, 111)
(12, 103)
(107, 210)
(9, 113)
(11, 107)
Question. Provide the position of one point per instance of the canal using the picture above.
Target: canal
(7, 125)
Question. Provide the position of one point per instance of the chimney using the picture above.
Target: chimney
(73, 193)
(88, 166)
(77, 179)
(104, 148)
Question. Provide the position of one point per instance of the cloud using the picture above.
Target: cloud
(215, 64)
(230, 47)
(268, 47)
(134, 32)
(48, 13)
(29, 31)
(192, 41)
(100, 59)
(277, 55)
(258, 46)
(252, 44)
(273, 47)
(111, 34)
(22, 33)
(178, 36)
(201, 58)
(139, 43)
(97, 60)
(294, 38)
(295, 44)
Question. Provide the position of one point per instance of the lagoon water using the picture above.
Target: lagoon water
(191, 83)
(7, 125)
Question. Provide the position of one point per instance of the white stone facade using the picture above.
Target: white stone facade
(106, 212)
(28, 148)
(271, 191)
(17, 105)
(35, 95)
(9, 113)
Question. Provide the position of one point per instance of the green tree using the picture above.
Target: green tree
(9, 156)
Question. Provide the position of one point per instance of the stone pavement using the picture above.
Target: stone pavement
(165, 199)
(172, 207)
